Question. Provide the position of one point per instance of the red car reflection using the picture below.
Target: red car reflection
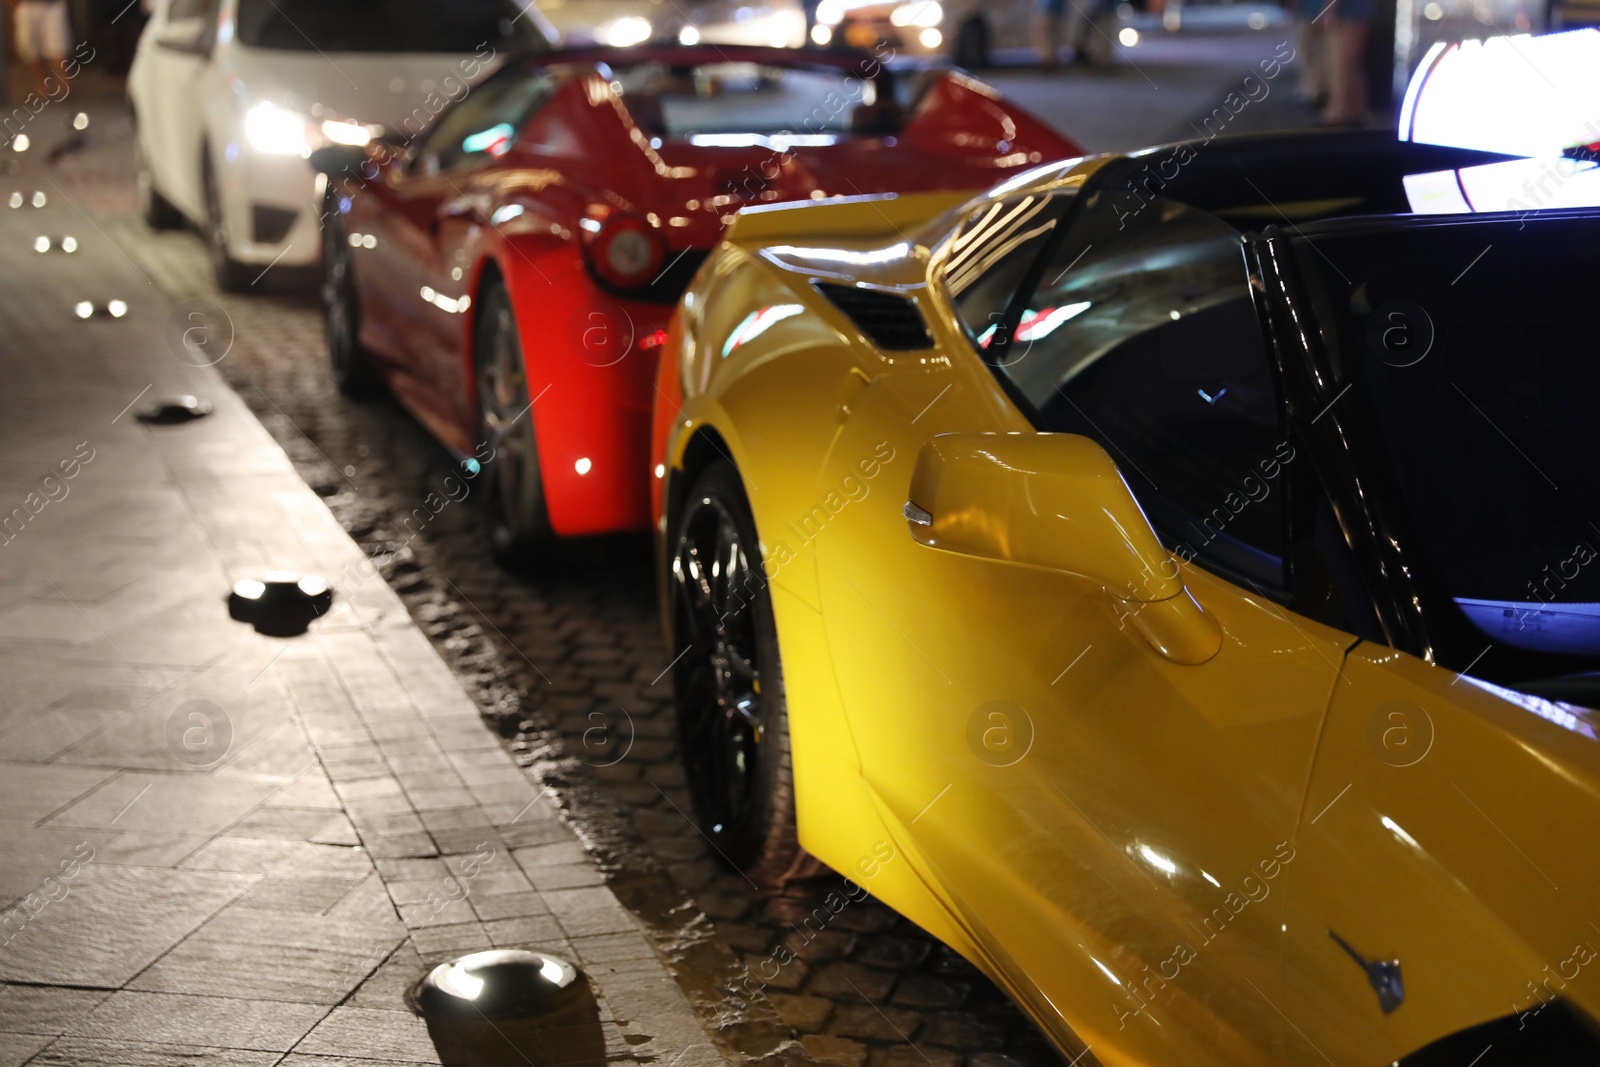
(510, 274)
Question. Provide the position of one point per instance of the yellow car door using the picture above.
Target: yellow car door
(1104, 793)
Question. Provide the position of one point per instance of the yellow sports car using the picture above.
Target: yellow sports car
(1172, 581)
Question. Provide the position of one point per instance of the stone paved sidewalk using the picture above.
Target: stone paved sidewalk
(218, 846)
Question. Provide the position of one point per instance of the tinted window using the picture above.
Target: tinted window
(733, 104)
(484, 124)
(1143, 336)
(385, 25)
(1477, 343)
(990, 256)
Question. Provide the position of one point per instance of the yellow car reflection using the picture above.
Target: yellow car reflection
(1149, 577)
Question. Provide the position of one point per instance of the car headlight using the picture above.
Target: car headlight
(350, 133)
(830, 12)
(918, 13)
(278, 131)
(627, 31)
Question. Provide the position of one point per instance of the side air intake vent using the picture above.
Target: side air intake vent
(890, 321)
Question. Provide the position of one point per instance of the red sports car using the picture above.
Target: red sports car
(510, 274)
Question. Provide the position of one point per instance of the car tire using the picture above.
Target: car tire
(351, 365)
(515, 517)
(972, 45)
(733, 724)
(232, 276)
(157, 211)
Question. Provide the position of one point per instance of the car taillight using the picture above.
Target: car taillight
(624, 251)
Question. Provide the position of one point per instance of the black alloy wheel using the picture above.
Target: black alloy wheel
(352, 367)
(732, 718)
(232, 276)
(518, 523)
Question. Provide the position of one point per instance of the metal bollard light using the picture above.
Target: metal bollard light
(510, 1007)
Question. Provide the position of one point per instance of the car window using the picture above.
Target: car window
(178, 10)
(386, 25)
(484, 124)
(989, 258)
(1141, 333)
(1482, 383)
(739, 105)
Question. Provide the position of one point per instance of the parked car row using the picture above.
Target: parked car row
(1162, 577)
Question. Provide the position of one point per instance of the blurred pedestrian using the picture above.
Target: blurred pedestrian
(1347, 25)
(1084, 24)
(1051, 14)
(1089, 30)
(43, 33)
(1310, 53)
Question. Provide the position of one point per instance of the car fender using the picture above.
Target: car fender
(1450, 826)
(590, 361)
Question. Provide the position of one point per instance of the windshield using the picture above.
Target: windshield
(1478, 343)
(386, 25)
(737, 105)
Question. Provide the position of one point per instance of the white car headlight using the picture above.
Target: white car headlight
(349, 133)
(918, 13)
(277, 131)
(625, 32)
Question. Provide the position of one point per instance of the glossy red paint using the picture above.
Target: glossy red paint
(426, 245)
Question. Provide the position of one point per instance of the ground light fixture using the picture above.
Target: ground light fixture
(175, 410)
(280, 603)
(510, 1008)
(111, 309)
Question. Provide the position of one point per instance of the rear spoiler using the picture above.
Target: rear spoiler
(883, 215)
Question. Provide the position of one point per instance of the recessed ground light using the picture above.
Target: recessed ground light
(280, 603)
(117, 308)
(41, 244)
(69, 244)
(80, 121)
(16, 200)
(173, 410)
(39, 199)
(83, 309)
(510, 1006)
(20, 143)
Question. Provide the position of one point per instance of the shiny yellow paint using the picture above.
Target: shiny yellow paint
(1148, 854)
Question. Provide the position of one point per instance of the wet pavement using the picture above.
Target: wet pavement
(565, 665)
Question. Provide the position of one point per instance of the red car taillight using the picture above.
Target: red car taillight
(624, 251)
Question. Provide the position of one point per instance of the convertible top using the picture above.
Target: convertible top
(1285, 177)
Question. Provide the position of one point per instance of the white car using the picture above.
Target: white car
(968, 31)
(621, 23)
(230, 98)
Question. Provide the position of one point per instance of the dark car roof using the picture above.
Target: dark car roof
(1286, 178)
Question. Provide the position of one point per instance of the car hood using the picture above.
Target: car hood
(381, 88)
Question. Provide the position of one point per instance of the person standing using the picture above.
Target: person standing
(1085, 25)
(1348, 24)
(43, 33)
(1310, 53)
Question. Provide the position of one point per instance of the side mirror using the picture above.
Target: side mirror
(1057, 501)
(336, 159)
